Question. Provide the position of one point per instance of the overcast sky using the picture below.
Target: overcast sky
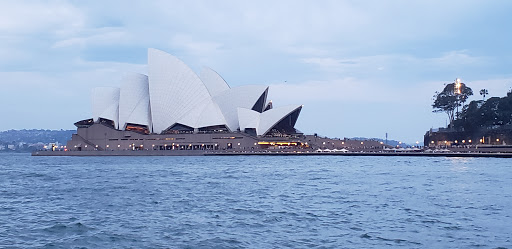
(361, 68)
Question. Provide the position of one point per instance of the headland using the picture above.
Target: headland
(172, 111)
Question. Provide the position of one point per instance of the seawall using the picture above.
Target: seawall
(261, 153)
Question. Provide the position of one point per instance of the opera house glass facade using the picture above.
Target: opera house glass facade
(173, 108)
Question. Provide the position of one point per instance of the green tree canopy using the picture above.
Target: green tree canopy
(453, 95)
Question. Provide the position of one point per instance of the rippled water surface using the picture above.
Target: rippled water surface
(254, 202)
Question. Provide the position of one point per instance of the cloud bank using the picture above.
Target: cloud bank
(360, 68)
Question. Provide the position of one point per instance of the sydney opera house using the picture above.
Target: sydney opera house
(173, 108)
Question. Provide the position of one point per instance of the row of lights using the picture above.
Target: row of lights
(456, 141)
(62, 147)
(173, 144)
(118, 146)
(417, 142)
(341, 143)
(361, 143)
(464, 141)
(130, 145)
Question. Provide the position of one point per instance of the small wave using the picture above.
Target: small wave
(73, 228)
(365, 236)
(218, 242)
(398, 241)
(453, 228)
(42, 176)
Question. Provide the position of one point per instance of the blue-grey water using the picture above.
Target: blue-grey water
(255, 202)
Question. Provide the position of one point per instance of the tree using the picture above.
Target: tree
(484, 92)
(490, 113)
(470, 117)
(453, 95)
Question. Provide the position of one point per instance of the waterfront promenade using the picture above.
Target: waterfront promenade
(269, 153)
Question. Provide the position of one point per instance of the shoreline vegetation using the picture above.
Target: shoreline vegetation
(478, 123)
(479, 128)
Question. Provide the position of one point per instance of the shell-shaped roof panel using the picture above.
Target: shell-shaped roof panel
(272, 117)
(264, 122)
(239, 97)
(105, 104)
(175, 90)
(211, 116)
(248, 118)
(213, 81)
(206, 114)
(134, 101)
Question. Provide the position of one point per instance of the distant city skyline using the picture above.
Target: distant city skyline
(361, 69)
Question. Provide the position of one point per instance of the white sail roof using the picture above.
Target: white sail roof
(175, 90)
(172, 94)
(248, 118)
(264, 122)
(205, 114)
(134, 101)
(105, 104)
(239, 97)
(273, 116)
(213, 81)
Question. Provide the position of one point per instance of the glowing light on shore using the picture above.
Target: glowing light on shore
(457, 86)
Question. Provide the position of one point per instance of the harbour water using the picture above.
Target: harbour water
(254, 202)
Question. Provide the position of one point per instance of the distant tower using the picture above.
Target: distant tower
(386, 138)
